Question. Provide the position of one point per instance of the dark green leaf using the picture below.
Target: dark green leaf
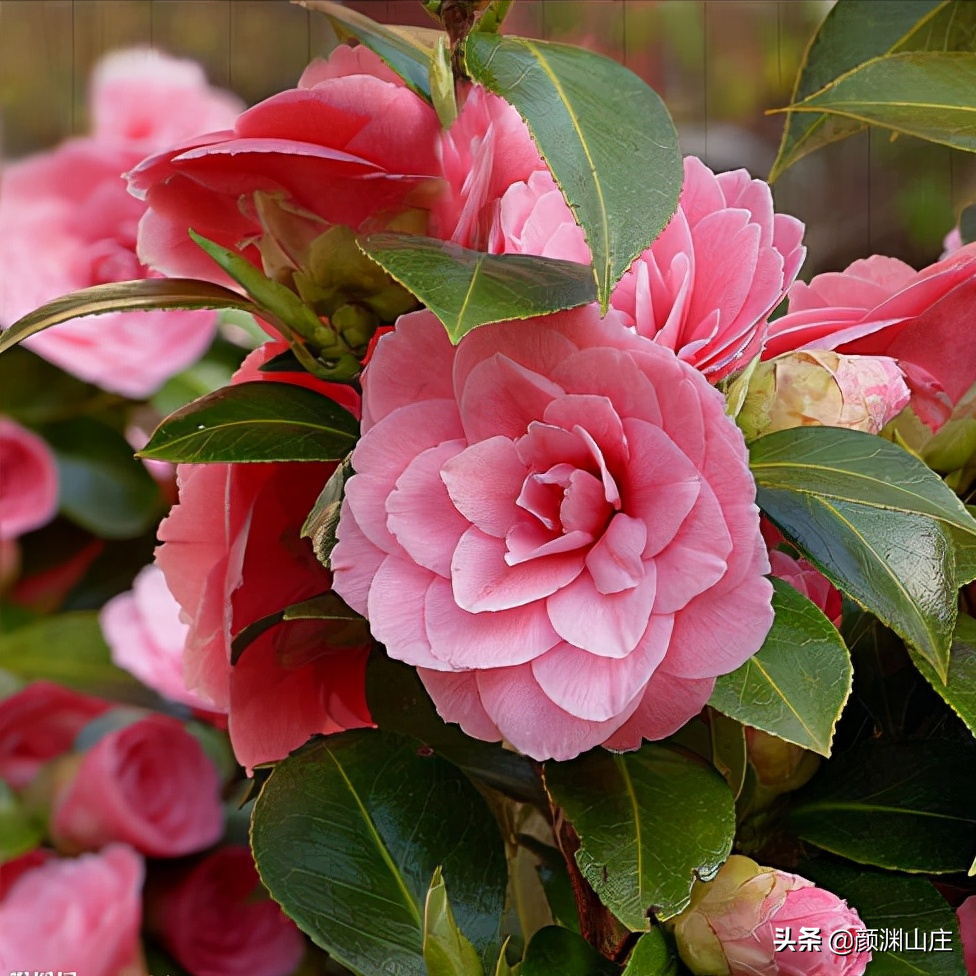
(967, 224)
(465, 288)
(649, 823)
(900, 567)
(795, 686)
(406, 50)
(555, 951)
(895, 903)
(854, 31)
(347, 834)
(446, 951)
(124, 296)
(907, 806)
(258, 421)
(322, 522)
(551, 868)
(398, 702)
(33, 391)
(928, 94)
(652, 957)
(959, 692)
(566, 96)
(102, 487)
(69, 649)
(20, 831)
(729, 754)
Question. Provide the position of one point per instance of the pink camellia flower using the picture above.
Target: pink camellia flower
(810, 582)
(232, 554)
(951, 242)
(351, 143)
(67, 222)
(216, 920)
(966, 913)
(880, 306)
(83, 912)
(556, 523)
(13, 870)
(149, 784)
(143, 629)
(755, 921)
(29, 486)
(38, 724)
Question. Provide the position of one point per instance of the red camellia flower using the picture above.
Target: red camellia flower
(556, 523)
(880, 306)
(38, 724)
(149, 784)
(232, 553)
(216, 920)
(81, 912)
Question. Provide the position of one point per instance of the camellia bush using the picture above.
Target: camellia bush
(558, 587)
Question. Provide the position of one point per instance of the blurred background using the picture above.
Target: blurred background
(718, 64)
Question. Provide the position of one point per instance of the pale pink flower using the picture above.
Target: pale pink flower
(83, 912)
(742, 922)
(28, 481)
(556, 523)
(951, 242)
(881, 306)
(148, 784)
(216, 920)
(143, 629)
(67, 222)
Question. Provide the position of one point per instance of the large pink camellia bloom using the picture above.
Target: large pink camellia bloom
(350, 143)
(556, 523)
(216, 920)
(28, 480)
(231, 554)
(881, 306)
(83, 912)
(67, 222)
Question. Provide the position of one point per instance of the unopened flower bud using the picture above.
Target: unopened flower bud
(355, 324)
(824, 388)
(752, 921)
(780, 766)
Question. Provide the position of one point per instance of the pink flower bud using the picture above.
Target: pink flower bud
(823, 388)
(29, 488)
(810, 582)
(756, 921)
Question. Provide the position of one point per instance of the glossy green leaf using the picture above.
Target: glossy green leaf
(649, 823)
(927, 94)
(102, 487)
(347, 834)
(124, 296)
(621, 180)
(446, 951)
(465, 288)
(895, 903)
(832, 462)
(258, 421)
(406, 50)
(399, 703)
(854, 31)
(652, 956)
(959, 691)
(900, 567)
(729, 755)
(20, 831)
(796, 685)
(68, 648)
(322, 522)
(554, 950)
(907, 806)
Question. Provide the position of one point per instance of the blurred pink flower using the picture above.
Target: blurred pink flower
(84, 912)
(880, 306)
(216, 920)
(232, 554)
(966, 913)
(28, 481)
(556, 523)
(67, 222)
(146, 635)
(38, 724)
(349, 145)
(750, 921)
(951, 242)
(809, 581)
(148, 784)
